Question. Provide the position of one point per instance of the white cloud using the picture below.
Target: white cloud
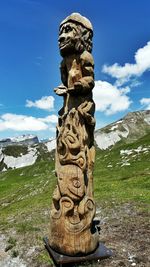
(124, 73)
(46, 103)
(109, 99)
(145, 102)
(21, 123)
(50, 118)
(16, 122)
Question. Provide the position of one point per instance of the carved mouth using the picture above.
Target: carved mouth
(63, 44)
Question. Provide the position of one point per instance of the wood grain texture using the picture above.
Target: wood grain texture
(72, 230)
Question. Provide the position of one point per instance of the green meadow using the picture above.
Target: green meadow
(26, 193)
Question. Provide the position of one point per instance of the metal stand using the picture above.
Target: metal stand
(61, 260)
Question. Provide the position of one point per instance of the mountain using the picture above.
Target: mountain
(28, 139)
(126, 130)
(26, 150)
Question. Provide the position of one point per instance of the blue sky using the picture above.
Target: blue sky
(29, 61)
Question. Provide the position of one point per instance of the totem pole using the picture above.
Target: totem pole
(72, 229)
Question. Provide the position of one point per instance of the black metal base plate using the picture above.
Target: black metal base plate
(100, 253)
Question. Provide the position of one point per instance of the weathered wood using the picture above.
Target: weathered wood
(72, 229)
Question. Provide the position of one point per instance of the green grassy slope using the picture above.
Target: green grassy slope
(25, 194)
(29, 188)
(26, 189)
(124, 177)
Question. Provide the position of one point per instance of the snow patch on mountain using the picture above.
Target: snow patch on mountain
(105, 140)
(130, 155)
(120, 121)
(1, 154)
(21, 161)
(134, 151)
(51, 145)
(114, 127)
(147, 120)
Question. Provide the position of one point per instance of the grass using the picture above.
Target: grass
(26, 188)
(26, 193)
(126, 183)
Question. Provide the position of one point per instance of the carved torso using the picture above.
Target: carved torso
(74, 70)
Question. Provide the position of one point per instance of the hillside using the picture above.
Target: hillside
(127, 130)
(121, 182)
(14, 156)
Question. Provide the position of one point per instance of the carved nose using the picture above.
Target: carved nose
(61, 39)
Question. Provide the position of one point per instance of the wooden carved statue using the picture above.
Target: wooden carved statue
(72, 230)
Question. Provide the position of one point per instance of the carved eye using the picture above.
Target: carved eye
(84, 32)
(68, 29)
(76, 183)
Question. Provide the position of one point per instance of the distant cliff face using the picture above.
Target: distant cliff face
(20, 140)
(128, 129)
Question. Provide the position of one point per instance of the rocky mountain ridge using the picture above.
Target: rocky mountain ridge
(27, 139)
(128, 129)
(26, 150)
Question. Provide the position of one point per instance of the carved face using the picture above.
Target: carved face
(69, 37)
(71, 182)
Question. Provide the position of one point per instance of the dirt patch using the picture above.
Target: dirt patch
(124, 229)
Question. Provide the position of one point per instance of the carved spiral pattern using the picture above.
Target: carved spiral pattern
(71, 144)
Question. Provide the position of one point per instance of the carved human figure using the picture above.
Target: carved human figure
(72, 228)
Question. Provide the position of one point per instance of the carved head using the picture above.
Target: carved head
(75, 35)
